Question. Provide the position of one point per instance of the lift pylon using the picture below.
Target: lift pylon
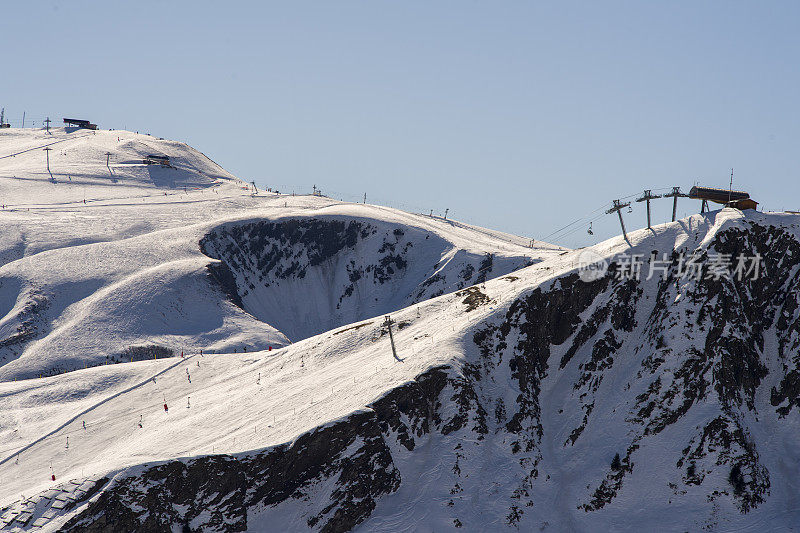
(675, 194)
(646, 197)
(618, 207)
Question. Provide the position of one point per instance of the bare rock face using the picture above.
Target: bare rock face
(215, 493)
(306, 276)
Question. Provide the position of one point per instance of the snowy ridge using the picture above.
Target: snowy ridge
(123, 278)
(504, 410)
(107, 301)
(117, 273)
(512, 390)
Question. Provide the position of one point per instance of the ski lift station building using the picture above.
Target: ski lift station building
(80, 123)
(157, 159)
(737, 199)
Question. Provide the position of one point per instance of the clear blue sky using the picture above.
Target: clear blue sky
(520, 116)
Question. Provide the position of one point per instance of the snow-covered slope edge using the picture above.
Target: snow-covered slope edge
(512, 418)
(308, 275)
(285, 274)
(102, 255)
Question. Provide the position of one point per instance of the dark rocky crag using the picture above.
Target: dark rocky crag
(214, 493)
(676, 349)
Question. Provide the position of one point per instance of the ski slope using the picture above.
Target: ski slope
(121, 276)
(235, 404)
(96, 164)
(225, 403)
(98, 260)
(512, 386)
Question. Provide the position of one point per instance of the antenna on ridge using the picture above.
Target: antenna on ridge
(730, 188)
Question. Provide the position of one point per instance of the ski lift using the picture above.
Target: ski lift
(630, 209)
(589, 231)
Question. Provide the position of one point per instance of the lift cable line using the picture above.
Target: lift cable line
(580, 228)
(582, 219)
(589, 218)
(559, 233)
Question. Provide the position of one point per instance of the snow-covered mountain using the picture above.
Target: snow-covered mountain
(36, 166)
(514, 385)
(158, 269)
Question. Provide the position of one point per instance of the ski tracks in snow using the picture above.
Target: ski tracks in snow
(95, 406)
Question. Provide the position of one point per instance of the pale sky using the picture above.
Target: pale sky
(519, 116)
